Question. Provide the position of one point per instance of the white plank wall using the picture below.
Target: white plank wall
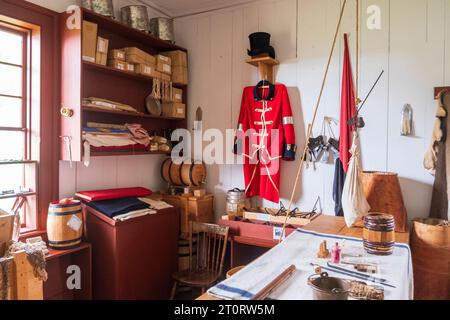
(412, 46)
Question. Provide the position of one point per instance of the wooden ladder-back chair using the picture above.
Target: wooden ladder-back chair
(209, 242)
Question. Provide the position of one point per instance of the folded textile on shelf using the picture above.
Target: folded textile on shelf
(140, 135)
(107, 104)
(134, 214)
(116, 207)
(99, 125)
(108, 140)
(104, 130)
(109, 194)
(130, 148)
(156, 204)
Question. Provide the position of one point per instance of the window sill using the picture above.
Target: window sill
(26, 233)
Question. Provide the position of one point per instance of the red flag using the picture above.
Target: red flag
(348, 108)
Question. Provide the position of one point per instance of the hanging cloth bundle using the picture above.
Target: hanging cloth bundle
(354, 201)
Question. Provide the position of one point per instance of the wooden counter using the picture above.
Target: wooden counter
(332, 225)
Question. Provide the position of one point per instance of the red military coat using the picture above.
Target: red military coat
(265, 134)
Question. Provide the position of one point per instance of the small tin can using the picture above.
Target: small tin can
(162, 28)
(103, 7)
(135, 17)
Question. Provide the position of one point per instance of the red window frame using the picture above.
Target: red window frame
(25, 104)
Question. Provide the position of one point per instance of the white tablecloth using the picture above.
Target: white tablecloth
(300, 249)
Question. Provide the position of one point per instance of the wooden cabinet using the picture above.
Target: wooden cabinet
(81, 79)
(133, 259)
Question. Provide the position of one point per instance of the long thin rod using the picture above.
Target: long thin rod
(302, 160)
(370, 92)
(278, 281)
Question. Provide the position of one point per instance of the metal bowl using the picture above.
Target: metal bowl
(329, 288)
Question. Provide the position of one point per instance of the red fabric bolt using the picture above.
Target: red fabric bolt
(348, 108)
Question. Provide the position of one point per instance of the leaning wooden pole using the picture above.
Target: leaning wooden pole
(309, 133)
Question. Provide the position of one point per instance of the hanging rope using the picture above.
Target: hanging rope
(302, 160)
(357, 53)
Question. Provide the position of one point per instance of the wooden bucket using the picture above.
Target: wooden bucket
(183, 174)
(383, 193)
(184, 255)
(64, 224)
(379, 234)
(430, 248)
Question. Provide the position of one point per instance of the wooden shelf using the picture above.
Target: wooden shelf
(128, 114)
(128, 32)
(126, 153)
(124, 74)
(265, 66)
(265, 60)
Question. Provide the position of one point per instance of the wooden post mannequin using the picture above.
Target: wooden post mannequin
(265, 66)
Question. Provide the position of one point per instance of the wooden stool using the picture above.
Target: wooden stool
(233, 271)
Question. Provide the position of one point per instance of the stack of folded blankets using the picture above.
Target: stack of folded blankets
(105, 104)
(122, 204)
(112, 137)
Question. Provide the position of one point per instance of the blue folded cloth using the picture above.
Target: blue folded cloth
(116, 207)
(106, 130)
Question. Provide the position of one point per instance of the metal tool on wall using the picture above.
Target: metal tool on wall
(407, 120)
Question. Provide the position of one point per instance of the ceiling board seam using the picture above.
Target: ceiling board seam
(215, 8)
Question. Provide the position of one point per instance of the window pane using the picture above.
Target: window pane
(10, 112)
(12, 145)
(12, 177)
(11, 45)
(11, 80)
(7, 204)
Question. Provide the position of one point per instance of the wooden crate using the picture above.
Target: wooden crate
(23, 285)
(200, 209)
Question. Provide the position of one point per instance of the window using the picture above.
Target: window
(17, 171)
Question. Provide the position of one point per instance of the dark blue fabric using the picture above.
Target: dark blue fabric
(116, 207)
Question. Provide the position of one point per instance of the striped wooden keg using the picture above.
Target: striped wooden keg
(64, 224)
(184, 254)
(379, 234)
(183, 174)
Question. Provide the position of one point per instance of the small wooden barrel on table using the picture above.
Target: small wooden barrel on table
(64, 224)
(379, 234)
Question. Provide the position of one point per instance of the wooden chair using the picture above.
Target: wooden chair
(206, 268)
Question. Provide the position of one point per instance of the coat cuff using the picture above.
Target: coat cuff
(289, 151)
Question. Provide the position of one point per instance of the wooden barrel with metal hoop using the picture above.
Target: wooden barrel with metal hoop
(379, 234)
(64, 224)
(184, 255)
(183, 174)
(430, 249)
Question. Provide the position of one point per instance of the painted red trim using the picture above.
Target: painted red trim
(48, 21)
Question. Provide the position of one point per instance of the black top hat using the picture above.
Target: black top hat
(260, 44)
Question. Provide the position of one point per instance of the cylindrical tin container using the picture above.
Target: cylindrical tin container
(236, 202)
(87, 4)
(103, 7)
(135, 17)
(379, 234)
(64, 224)
(329, 288)
(162, 28)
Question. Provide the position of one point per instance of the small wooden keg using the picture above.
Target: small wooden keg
(193, 174)
(64, 224)
(379, 234)
(184, 254)
(183, 174)
(165, 167)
